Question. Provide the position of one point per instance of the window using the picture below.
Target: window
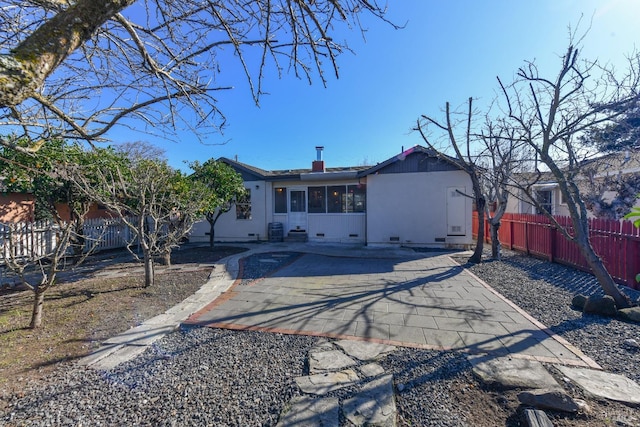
(356, 198)
(280, 200)
(297, 201)
(544, 198)
(317, 199)
(336, 199)
(243, 205)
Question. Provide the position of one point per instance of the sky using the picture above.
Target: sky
(447, 51)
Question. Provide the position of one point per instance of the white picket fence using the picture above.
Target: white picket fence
(31, 239)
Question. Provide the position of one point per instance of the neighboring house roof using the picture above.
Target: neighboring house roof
(624, 162)
(415, 159)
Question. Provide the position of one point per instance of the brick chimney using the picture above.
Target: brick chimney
(318, 164)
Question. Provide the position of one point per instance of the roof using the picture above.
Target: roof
(249, 172)
(272, 175)
(623, 162)
(441, 162)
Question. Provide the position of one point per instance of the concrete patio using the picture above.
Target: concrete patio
(423, 300)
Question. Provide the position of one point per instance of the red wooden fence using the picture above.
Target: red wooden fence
(616, 242)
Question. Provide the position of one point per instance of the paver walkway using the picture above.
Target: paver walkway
(423, 300)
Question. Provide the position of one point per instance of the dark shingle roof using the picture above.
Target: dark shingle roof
(292, 174)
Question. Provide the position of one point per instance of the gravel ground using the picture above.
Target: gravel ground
(204, 376)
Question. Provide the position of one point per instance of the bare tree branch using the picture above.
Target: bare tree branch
(76, 70)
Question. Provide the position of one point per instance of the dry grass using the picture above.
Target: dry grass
(85, 309)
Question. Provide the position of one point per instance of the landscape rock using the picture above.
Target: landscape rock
(371, 370)
(605, 306)
(583, 406)
(631, 343)
(578, 301)
(321, 384)
(332, 360)
(536, 418)
(605, 385)
(310, 412)
(512, 373)
(631, 314)
(374, 405)
(322, 345)
(554, 399)
(362, 350)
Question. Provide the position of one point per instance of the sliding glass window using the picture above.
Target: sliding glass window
(317, 199)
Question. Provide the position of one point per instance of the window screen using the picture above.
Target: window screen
(317, 199)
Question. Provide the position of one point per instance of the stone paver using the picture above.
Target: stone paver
(512, 373)
(603, 384)
(371, 370)
(321, 384)
(420, 300)
(309, 412)
(369, 401)
(362, 350)
(374, 405)
(321, 361)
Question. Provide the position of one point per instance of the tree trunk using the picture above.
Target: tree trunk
(598, 269)
(166, 258)
(38, 305)
(496, 246)
(477, 253)
(211, 234)
(212, 224)
(149, 273)
(78, 238)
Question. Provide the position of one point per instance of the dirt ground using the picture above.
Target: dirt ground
(86, 308)
(82, 310)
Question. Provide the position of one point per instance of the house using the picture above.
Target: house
(16, 207)
(412, 199)
(21, 207)
(598, 176)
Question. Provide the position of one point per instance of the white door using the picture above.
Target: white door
(456, 211)
(297, 209)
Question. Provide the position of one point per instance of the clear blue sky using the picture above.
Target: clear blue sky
(448, 51)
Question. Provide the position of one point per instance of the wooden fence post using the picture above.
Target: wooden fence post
(552, 242)
(632, 255)
(526, 237)
(511, 234)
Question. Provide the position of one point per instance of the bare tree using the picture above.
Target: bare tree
(159, 204)
(36, 253)
(463, 159)
(140, 150)
(500, 160)
(549, 115)
(74, 69)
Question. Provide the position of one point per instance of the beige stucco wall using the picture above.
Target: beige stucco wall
(516, 205)
(413, 207)
(229, 228)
